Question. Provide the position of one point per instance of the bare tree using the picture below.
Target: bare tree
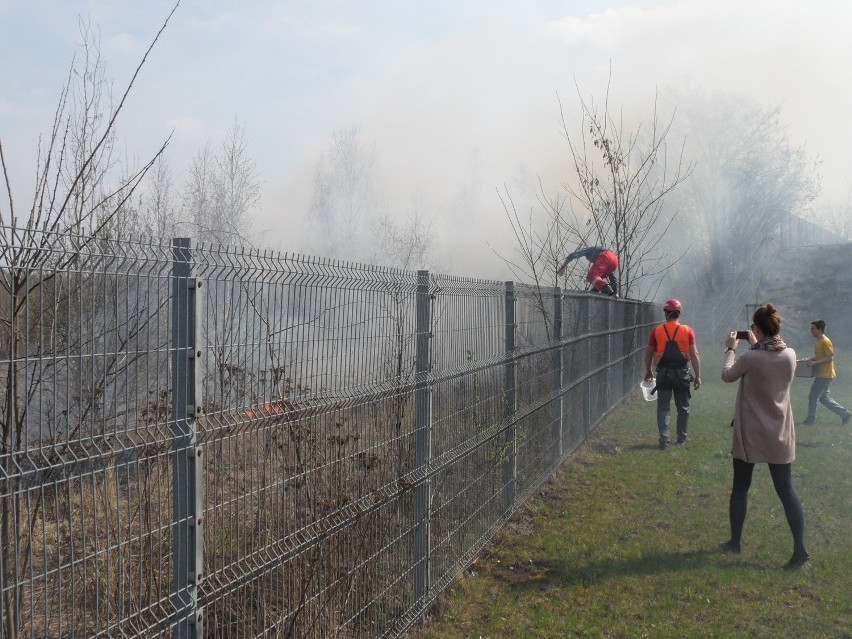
(541, 242)
(346, 200)
(221, 190)
(746, 168)
(199, 198)
(405, 245)
(159, 211)
(238, 184)
(621, 179)
(152, 211)
(79, 192)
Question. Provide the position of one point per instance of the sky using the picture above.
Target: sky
(457, 99)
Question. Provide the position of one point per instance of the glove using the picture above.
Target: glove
(565, 264)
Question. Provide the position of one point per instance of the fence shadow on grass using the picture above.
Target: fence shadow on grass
(650, 445)
(567, 572)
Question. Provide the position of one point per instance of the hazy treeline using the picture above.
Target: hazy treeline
(667, 185)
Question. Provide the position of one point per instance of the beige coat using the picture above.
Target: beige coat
(763, 415)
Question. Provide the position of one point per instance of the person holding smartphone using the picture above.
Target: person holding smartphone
(763, 426)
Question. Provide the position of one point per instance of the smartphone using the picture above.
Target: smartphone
(742, 334)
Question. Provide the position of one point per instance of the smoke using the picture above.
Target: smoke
(454, 97)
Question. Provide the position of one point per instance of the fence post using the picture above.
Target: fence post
(626, 342)
(557, 371)
(618, 338)
(510, 445)
(187, 481)
(422, 444)
(587, 386)
(609, 375)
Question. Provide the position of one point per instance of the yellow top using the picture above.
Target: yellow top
(824, 348)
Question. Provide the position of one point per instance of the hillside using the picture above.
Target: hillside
(808, 283)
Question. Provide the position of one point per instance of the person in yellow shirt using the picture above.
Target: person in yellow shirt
(823, 365)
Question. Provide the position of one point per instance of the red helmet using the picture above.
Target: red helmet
(673, 305)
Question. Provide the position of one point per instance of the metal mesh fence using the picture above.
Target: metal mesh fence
(216, 442)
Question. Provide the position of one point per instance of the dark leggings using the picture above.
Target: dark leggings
(782, 479)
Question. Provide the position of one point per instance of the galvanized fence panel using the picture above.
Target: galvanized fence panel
(468, 427)
(203, 441)
(86, 487)
(309, 440)
(536, 393)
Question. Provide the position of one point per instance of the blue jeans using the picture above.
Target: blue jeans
(819, 393)
(664, 404)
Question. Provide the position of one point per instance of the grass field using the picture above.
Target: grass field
(623, 540)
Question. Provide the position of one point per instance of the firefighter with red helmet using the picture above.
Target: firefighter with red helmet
(670, 351)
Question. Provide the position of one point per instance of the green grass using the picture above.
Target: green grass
(623, 540)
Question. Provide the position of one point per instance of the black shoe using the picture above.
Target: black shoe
(683, 441)
(846, 419)
(729, 546)
(664, 445)
(809, 421)
(797, 560)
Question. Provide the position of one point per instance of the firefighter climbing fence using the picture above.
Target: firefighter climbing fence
(204, 441)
